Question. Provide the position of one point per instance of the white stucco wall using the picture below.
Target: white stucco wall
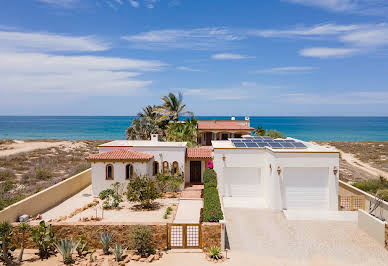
(272, 182)
(99, 181)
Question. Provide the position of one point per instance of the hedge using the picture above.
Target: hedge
(211, 201)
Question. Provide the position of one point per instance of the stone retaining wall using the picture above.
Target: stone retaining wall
(211, 235)
(92, 231)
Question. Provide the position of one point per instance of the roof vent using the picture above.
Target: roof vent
(154, 137)
(233, 118)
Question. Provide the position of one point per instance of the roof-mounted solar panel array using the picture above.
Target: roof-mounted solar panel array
(264, 141)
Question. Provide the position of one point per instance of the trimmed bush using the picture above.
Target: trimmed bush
(210, 178)
(211, 205)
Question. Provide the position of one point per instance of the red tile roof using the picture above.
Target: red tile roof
(223, 125)
(199, 153)
(121, 154)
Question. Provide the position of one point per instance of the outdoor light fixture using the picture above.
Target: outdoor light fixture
(270, 168)
(223, 157)
(335, 170)
(279, 170)
(226, 253)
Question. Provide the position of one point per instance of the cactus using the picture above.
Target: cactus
(105, 240)
(67, 248)
(118, 251)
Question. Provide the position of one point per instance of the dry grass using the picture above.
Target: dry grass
(24, 174)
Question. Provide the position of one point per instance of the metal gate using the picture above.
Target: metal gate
(184, 236)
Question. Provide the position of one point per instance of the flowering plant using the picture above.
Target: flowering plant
(209, 164)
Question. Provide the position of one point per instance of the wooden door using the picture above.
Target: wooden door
(195, 171)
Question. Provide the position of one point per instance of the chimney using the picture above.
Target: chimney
(154, 137)
(247, 118)
(233, 118)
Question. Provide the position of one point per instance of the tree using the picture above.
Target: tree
(275, 134)
(142, 190)
(181, 132)
(149, 112)
(143, 128)
(6, 232)
(260, 131)
(172, 107)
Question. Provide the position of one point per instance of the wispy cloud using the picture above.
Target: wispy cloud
(218, 94)
(326, 52)
(198, 39)
(60, 3)
(230, 56)
(286, 70)
(189, 69)
(134, 3)
(351, 98)
(34, 41)
(365, 7)
(37, 73)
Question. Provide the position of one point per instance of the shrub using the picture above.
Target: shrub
(275, 134)
(42, 173)
(82, 247)
(372, 185)
(43, 238)
(174, 182)
(110, 197)
(105, 239)
(6, 232)
(6, 175)
(142, 190)
(211, 205)
(210, 178)
(66, 248)
(118, 251)
(141, 240)
(162, 182)
(7, 186)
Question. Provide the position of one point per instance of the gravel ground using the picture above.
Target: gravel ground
(266, 236)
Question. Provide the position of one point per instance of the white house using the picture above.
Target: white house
(119, 160)
(285, 176)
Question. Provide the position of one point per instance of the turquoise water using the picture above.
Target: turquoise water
(104, 127)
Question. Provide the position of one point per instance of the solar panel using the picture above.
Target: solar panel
(251, 145)
(299, 145)
(275, 145)
(287, 145)
(240, 145)
(267, 138)
(248, 137)
(247, 140)
(236, 140)
(289, 140)
(278, 140)
(262, 144)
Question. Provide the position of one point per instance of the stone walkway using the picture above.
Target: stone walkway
(189, 211)
(192, 192)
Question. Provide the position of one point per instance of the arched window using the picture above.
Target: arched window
(175, 168)
(165, 167)
(156, 168)
(109, 172)
(128, 171)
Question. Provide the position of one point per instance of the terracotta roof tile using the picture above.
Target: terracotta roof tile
(121, 154)
(225, 125)
(199, 153)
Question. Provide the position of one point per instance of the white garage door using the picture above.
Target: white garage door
(242, 182)
(306, 188)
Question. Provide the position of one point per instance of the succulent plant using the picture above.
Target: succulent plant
(67, 248)
(118, 251)
(105, 240)
(215, 253)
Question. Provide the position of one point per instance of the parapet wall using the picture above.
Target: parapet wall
(48, 198)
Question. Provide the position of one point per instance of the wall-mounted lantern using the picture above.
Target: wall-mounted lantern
(279, 170)
(270, 168)
(335, 170)
(223, 157)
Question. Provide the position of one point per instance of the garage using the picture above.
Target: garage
(306, 188)
(242, 182)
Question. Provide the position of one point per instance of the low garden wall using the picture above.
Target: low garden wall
(211, 235)
(373, 226)
(48, 198)
(349, 190)
(92, 231)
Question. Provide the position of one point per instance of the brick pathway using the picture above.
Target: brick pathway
(192, 192)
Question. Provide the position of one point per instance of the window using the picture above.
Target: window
(128, 171)
(175, 168)
(109, 172)
(156, 168)
(165, 167)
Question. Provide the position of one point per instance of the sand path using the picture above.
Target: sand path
(20, 146)
(352, 160)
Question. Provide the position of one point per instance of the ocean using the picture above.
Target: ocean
(113, 127)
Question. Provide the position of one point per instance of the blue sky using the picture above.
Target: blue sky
(264, 58)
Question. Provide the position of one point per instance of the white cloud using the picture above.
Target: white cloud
(370, 36)
(366, 7)
(326, 52)
(60, 3)
(183, 68)
(317, 30)
(35, 41)
(134, 3)
(230, 56)
(87, 75)
(198, 39)
(286, 70)
(351, 98)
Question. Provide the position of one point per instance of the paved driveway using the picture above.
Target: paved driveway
(265, 237)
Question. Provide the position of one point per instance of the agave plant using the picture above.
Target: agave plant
(105, 240)
(66, 248)
(215, 253)
(118, 251)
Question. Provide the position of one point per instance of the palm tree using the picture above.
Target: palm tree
(172, 107)
(149, 112)
(187, 132)
(142, 128)
(260, 131)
